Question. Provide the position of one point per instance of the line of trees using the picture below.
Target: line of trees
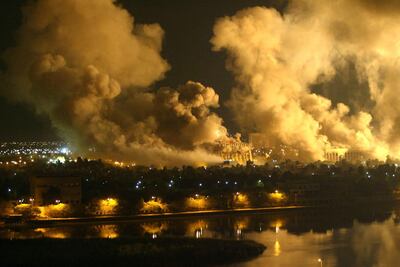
(133, 184)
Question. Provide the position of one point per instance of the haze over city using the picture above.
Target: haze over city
(200, 132)
(305, 74)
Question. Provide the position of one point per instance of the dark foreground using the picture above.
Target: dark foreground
(126, 251)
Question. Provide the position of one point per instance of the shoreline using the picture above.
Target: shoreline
(109, 219)
(143, 217)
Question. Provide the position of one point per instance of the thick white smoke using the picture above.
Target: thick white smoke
(277, 58)
(86, 65)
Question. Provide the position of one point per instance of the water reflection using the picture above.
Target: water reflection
(53, 233)
(377, 244)
(197, 228)
(154, 229)
(367, 237)
(277, 248)
(107, 231)
(240, 225)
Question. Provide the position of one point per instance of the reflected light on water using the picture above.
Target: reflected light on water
(52, 233)
(277, 248)
(199, 233)
(197, 228)
(240, 225)
(154, 228)
(108, 231)
(368, 238)
(238, 232)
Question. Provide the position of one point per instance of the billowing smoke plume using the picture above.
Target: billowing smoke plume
(278, 58)
(86, 65)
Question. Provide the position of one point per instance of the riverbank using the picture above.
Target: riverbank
(116, 218)
(127, 252)
(104, 219)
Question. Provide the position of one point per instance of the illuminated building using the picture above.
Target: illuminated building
(338, 153)
(354, 156)
(232, 150)
(264, 151)
(56, 189)
(335, 154)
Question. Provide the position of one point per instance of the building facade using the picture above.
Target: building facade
(235, 151)
(56, 189)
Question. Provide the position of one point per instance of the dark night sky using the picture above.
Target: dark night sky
(188, 27)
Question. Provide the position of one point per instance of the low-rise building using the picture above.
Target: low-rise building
(233, 150)
(302, 192)
(56, 189)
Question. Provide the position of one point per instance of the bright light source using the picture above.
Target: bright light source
(65, 150)
(241, 200)
(108, 206)
(198, 233)
(155, 205)
(276, 196)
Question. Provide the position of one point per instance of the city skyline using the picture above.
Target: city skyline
(152, 83)
(200, 133)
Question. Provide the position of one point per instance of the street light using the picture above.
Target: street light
(320, 262)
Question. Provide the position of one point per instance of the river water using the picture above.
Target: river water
(368, 236)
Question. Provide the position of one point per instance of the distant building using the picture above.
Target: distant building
(56, 189)
(335, 154)
(266, 151)
(339, 153)
(355, 156)
(302, 191)
(232, 150)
